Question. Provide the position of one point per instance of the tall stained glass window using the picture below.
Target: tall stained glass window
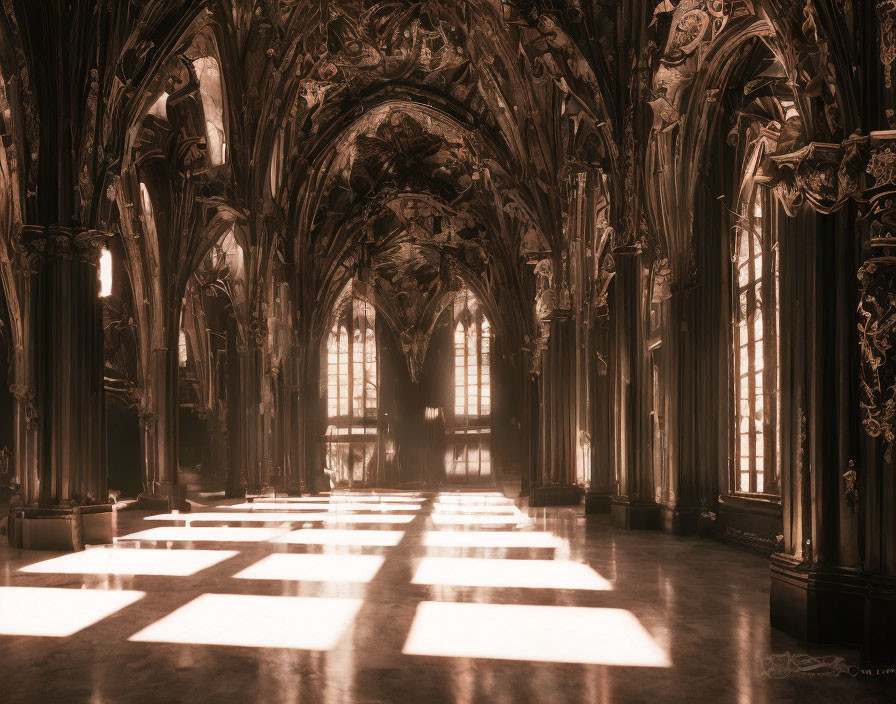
(351, 374)
(472, 389)
(755, 353)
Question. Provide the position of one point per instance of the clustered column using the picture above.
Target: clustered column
(65, 505)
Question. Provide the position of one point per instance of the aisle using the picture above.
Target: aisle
(383, 597)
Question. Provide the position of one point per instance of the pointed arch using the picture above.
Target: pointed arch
(350, 365)
(471, 417)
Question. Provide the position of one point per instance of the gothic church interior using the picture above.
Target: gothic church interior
(447, 350)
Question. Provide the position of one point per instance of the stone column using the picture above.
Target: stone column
(868, 486)
(530, 429)
(162, 489)
(235, 484)
(251, 375)
(291, 426)
(682, 368)
(556, 475)
(66, 505)
(603, 470)
(633, 506)
(246, 421)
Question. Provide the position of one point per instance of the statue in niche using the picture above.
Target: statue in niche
(662, 281)
(545, 299)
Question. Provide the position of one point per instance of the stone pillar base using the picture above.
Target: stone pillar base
(60, 528)
(164, 496)
(555, 496)
(597, 502)
(634, 515)
(707, 524)
(230, 493)
(817, 605)
(879, 646)
(679, 521)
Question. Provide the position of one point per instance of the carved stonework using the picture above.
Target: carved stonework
(813, 174)
(35, 243)
(882, 167)
(89, 245)
(886, 13)
(545, 300)
(26, 395)
(877, 337)
(30, 243)
(877, 301)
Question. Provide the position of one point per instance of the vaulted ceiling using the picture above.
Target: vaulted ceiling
(415, 143)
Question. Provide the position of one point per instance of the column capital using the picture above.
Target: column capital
(36, 243)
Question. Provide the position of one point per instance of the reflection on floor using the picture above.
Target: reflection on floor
(395, 597)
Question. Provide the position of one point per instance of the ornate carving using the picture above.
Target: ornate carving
(30, 243)
(545, 300)
(26, 395)
(809, 174)
(35, 243)
(877, 337)
(824, 175)
(146, 417)
(89, 245)
(886, 13)
(882, 167)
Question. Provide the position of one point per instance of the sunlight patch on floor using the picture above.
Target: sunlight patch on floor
(335, 506)
(532, 633)
(218, 534)
(490, 539)
(333, 536)
(507, 509)
(52, 612)
(465, 519)
(279, 517)
(304, 623)
(532, 574)
(132, 561)
(299, 567)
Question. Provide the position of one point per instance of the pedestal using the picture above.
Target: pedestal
(164, 496)
(61, 529)
(555, 496)
(634, 515)
(817, 605)
(597, 502)
(879, 646)
(679, 521)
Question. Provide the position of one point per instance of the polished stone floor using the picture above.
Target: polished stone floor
(399, 597)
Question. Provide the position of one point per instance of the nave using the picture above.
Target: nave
(398, 596)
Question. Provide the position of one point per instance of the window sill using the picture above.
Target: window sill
(759, 503)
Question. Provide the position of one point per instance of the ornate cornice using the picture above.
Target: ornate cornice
(824, 175)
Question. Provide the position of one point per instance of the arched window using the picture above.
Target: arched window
(472, 389)
(208, 74)
(351, 374)
(351, 366)
(755, 351)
